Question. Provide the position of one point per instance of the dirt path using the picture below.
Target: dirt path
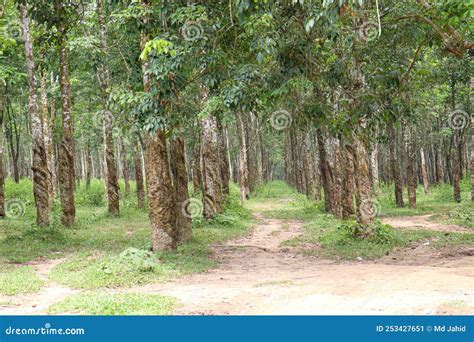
(259, 276)
(424, 222)
(36, 303)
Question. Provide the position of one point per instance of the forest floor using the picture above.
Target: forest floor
(274, 269)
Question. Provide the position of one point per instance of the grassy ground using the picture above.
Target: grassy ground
(102, 303)
(334, 236)
(103, 252)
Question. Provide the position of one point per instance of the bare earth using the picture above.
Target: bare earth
(258, 276)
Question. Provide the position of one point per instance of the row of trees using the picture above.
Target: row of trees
(332, 95)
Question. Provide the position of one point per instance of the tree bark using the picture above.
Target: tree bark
(326, 177)
(112, 186)
(178, 166)
(196, 156)
(411, 179)
(307, 166)
(48, 139)
(471, 95)
(366, 210)
(424, 172)
(137, 161)
(125, 172)
(348, 183)
(224, 161)
(374, 168)
(88, 167)
(212, 187)
(66, 149)
(396, 173)
(40, 164)
(243, 168)
(160, 192)
(2, 176)
(161, 199)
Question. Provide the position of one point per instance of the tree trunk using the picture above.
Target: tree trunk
(112, 186)
(348, 183)
(456, 153)
(161, 199)
(395, 166)
(48, 139)
(196, 156)
(50, 147)
(411, 179)
(366, 208)
(424, 172)
(212, 187)
(374, 168)
(2, 176)
(326, 177)
(307, 166)
(66, 149)
(88, 167)
(160, 192)
(125, 172)
(137, 161)
(337, 205)
(178, 166)
(243, 168)
(224, 161)
(472, 141)
(40, 164)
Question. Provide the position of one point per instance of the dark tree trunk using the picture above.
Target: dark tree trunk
(178, 167)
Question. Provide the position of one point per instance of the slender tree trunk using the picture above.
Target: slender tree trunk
(88, 167)
(178, 166)
(224, 161)
(137, 161)
(112, 186)
(243, 168)
(66, 149)
(212, 187)
(316, 168)
(337, 205)
(196, 156)
(125, 172)
(326, 177)
(424, 172)
(307, 166)
(2, 176)
(411, 179)
(471, 95)
(456, 153)
(348, 183)
(40, 164)
(395, 166)
(50, 147)
(374, 168)
(48, 139)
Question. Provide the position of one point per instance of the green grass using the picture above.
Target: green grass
(93, 246)
(101, 303)
(18, 279)
(326, 232)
